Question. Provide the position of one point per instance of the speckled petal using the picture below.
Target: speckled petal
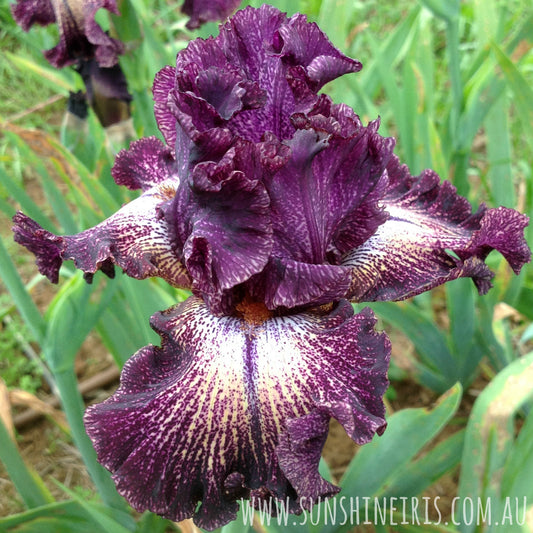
(231, 407)
(432, 237)
(242, 80)
(303, 43)
(136, 238)
(146, 163)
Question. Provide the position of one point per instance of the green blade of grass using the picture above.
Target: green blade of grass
(22, 299)
(29, 485)
(489, 434)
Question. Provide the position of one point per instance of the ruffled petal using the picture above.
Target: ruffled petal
(136, 238)
(234, 407)
(221, 220)
(304, 44)
(288, 284)
(147, 162)
(107, 49)
(241, 79)
(330, 178)
(81, 37)
(29, 12)
(432, 237)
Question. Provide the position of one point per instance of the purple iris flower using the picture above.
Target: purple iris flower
(276, 208)
(81, 38)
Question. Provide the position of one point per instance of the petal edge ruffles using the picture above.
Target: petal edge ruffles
(223, 408)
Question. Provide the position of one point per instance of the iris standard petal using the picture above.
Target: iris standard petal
(432, 237)
(233, 407)
(240, 80)
(136, 238)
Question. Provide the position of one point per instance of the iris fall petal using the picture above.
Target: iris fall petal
(230, 407)
(136, 238)
(431, 237)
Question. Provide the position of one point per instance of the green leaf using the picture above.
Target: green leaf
(502, 186)
(523, 94)
(447, 10)
(19, 195)
(516, 479)
(438, 368)
(489, 435)
(27, 482)
(62, 80)
(378, 463)
(70, 317)
(25, 305)
(101, 515)
(422, 473)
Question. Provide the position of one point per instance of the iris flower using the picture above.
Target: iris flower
(276, 208)
(85, 45)
(80, 35)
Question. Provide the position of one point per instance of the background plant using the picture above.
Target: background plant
(452, 82)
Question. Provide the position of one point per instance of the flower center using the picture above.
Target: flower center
(254, 313)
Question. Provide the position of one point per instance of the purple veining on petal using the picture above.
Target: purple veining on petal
(234, 406)
(202, 11)
(409, 253)
(136, 238)
(303, 44)
(146, 163)
(240, 80)
(45, 245)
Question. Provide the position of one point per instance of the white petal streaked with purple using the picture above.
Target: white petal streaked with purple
(431, 237)
(231, 407)
(136, 238)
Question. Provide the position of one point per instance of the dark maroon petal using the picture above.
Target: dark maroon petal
(286, 283)
(146, 163)
(303, 43)
(222, 222)
(230, 407)
(46, 246)
(29, 12)
(324, 200)
(328, 181)
(136, 238)
(163, 86)
(202, 11)
(107, 49)
(80, 36)
(243, 79)
(430, 238)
